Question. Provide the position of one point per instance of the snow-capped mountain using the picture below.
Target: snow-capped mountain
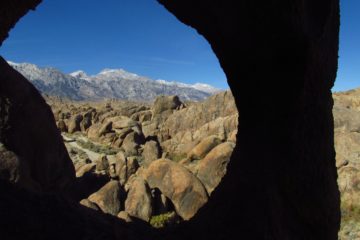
(199, 86)
(115, 74)
(109, 83)
(80, 74)
(205, 88)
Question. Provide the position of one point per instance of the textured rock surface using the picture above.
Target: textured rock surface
(87, 168)
(178, 184)
(93, 131)
(206, 144)
(87, 203)
(124, 167)
(131, 143)
(102, 163)
(138, 202)
(109, 198)
(86, 122)
(151, 152)
(212, 168)
(185, 128)
(74, 124)
(124, 216)
(346, 119)
(347, 144)
(164, 103)
(62, 126)
(219, 105)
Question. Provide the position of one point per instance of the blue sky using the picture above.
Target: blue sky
(141, 37)
(348, 75)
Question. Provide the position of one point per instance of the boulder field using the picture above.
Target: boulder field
(280, 59)
(159, 158)
(183, 155)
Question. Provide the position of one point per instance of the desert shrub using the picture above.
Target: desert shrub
(177, 157)
(97, 148)
(76, 151)
(163, 220)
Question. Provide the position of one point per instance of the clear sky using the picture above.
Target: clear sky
(142, 37)
(349, 54)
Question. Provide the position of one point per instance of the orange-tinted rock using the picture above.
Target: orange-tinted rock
(205, 145)
(212, 168)
(138, 202)
(178, 184)
(109, 198)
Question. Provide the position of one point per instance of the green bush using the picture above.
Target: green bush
(97, 148)
(162, 220)
(177, 157)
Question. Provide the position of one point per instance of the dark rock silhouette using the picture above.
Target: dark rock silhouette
(281, 60)
(11, 12)
(288, 187)
(27, 129)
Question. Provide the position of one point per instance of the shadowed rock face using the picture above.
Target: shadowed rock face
(281, 59)
(27, 129)
(10, 13)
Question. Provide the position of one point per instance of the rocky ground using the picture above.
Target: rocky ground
(158, 161)
(347, 144)
(161, 161)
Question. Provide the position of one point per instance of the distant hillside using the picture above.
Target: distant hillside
(109, 83)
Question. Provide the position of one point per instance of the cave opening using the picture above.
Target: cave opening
(281, 182)
(113, 132)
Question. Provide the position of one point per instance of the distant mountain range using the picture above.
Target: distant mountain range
(109, 83)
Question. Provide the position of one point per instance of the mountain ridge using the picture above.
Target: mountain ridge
(108, 83)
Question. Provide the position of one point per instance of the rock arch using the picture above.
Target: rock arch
(281, 60)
